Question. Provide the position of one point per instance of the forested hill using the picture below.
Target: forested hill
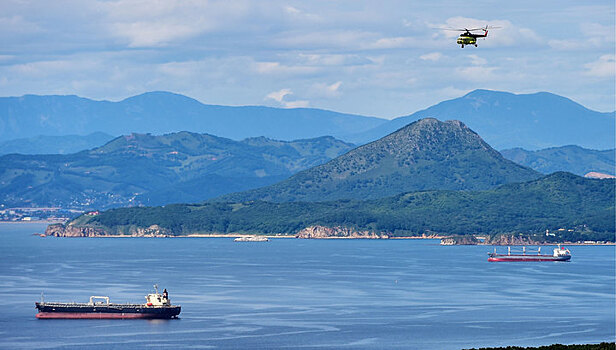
(424, 155)
(560, 200)
(153, 170)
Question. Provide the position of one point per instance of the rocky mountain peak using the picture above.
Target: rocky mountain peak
(428, 139)
(426, 154)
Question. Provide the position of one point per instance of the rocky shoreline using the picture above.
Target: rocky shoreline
(310, 232)
(495, 240)
(337, 232)
(507, 240)
(59, 230)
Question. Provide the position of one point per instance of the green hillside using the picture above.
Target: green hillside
(560, 200)
(427, 154)
(146, 169)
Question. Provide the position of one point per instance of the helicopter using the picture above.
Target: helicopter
(470, 38)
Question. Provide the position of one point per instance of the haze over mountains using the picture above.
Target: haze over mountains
(425, 155)
(165, 112)
(54, 144)
(504, 120)
(574, 159)
(145, 169)
(142, 169)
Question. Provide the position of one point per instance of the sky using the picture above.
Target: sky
(380, 58)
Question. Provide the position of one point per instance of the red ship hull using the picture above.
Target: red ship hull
(96, 316)
(104, 311)
(528, 258)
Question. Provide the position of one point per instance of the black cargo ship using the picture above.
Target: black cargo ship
(156, 306)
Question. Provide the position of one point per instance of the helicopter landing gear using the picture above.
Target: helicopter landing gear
(462, 46)
(475, 45)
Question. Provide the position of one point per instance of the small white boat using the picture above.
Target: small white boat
(251, 239)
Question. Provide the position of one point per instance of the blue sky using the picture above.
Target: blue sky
(381, 58)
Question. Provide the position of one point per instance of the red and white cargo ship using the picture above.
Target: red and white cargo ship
(560, 254)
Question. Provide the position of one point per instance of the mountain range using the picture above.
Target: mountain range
(425, 155)
(505, 120)
(165, 112)
(574, 159)
(142, 169)
(571, 158)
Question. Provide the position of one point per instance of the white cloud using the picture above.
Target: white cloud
(324, 39)
(324, 90)
(346, 60)
(333, 88)
(18, 25)
(604, 67)
(595, 36)
(433, 56)
(292, 10)
(153, 23)
(297, 14)
(507, 34)
(279, 95)
(478, 74)
(147, 34)
(386, 55)
(477, 61)
(393, 43)
(53, 68)
(296, 104)
(281, 69)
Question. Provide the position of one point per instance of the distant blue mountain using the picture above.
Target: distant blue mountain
(54, 144)
(574, 159)
(165, 112)
(506, 120)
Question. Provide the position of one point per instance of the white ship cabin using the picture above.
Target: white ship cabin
(561, 251)
(157, 299)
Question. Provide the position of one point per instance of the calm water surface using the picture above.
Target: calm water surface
(313, 294)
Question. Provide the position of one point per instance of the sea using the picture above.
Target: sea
(302, 294)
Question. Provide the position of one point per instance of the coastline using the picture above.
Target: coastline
(35, 222)
(311, 232)
(198, 235)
